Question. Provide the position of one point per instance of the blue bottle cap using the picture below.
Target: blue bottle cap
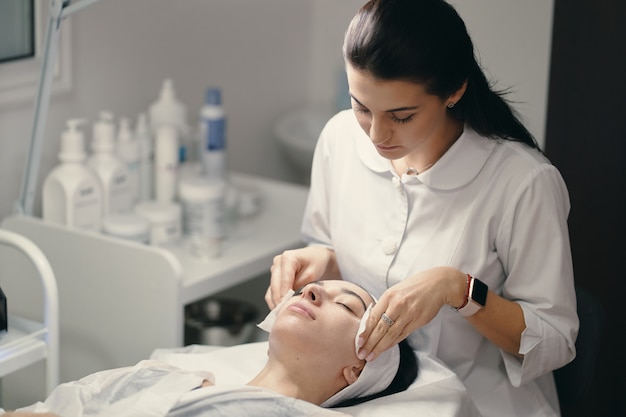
(213, 96)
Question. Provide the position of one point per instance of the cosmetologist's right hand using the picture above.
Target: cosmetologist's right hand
(294, 268)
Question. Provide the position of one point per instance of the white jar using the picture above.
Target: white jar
(202, 201)
(165, 221)
(127, 226)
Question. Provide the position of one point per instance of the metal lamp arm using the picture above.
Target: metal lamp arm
(59, 10)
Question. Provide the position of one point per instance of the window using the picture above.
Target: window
(21, 51)
(17, 29)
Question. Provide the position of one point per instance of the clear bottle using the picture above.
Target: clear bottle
(128, 151)
(213, 135)
(109, 168)
(72, 193)
(166, 164)
(146, 158)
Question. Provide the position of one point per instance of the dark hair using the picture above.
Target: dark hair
(426, 41)
(406, 374)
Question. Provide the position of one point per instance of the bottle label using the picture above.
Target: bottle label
(87, 207)
(204, 219)
(215, 134)
(120, 199)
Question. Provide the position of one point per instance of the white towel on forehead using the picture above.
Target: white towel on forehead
(375, 376)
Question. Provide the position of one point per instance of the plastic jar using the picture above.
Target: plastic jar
(165, 220)
(202, 201)
(127, 226)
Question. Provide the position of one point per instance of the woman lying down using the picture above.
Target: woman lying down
(311, 362)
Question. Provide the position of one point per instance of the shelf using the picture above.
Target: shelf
(113, 289)
(22, 345)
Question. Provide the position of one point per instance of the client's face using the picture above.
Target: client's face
(322, 319)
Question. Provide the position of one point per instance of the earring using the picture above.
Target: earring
(450, 105)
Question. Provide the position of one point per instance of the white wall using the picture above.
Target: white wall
(268, 56)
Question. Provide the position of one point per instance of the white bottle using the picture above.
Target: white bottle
(213, 136)
(168, 124)
(128, 151)
(109, 168)
(165, 164)
(168, 110)
(146, 158)
(72, 194)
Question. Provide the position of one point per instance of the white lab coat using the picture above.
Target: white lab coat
(495, 209)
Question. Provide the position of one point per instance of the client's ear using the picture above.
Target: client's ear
(351, 373)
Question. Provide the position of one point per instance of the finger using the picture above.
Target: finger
(375, 329)
(386, 333)
(370, 323)
(393, 335)
(268, 298)
(274, 292)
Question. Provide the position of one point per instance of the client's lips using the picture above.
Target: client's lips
(302, 309)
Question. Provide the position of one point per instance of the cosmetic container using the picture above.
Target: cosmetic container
(202, 201)
(146, 159)
(72, 193)
(109, 168)
(213, 135)
(128, 226)
(165, 221)
(128, 152)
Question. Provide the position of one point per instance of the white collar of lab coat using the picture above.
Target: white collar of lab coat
(457, 167)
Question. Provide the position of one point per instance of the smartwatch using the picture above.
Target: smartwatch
(476, 297)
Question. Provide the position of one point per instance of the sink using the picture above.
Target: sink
(297, 133)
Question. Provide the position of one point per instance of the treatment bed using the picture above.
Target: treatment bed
(436, 392)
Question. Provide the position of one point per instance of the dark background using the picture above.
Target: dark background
(586, 140)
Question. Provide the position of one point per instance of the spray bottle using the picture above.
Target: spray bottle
(72, 194)
(213, 128)
(169, 127)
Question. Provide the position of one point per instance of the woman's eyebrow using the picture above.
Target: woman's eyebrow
(350, 292)
(404, 108)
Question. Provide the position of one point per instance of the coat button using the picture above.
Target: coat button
(396, 182)
(389, 246)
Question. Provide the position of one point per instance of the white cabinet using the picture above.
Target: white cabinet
(26, 341)
(119, 300)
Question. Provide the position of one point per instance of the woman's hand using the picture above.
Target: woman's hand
(294, 268)
(410, 305)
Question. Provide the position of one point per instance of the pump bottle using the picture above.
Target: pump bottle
(109, 168)
(72, 193)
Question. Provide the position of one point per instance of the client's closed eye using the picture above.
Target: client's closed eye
(347, 307)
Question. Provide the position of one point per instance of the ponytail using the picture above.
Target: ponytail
(488, 113)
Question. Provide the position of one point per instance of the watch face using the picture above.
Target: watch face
(479, 292)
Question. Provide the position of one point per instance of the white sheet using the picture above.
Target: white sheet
(153, 388)
(436, 392)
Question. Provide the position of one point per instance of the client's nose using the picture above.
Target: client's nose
(312, 292)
